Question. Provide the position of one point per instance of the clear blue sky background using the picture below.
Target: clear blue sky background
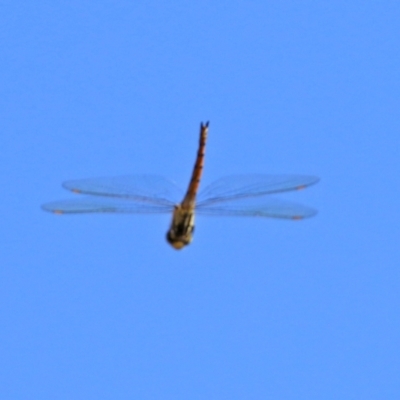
(99, 306)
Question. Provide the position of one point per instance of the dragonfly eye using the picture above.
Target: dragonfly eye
(177, 242)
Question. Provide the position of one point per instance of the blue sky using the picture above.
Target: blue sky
(99, 306)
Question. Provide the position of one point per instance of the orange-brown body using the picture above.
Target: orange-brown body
(182, 226)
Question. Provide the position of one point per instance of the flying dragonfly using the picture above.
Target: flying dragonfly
(237, 195)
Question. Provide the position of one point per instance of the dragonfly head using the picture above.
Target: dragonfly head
(177, 244)
(180, 233)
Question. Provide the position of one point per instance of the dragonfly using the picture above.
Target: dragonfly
(236, 195)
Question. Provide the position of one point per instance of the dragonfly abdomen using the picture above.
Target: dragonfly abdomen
(190, 197)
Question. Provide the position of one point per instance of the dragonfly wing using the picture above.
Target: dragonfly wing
(257, 207)
(245, 186)
(145, 188)
(91, 204)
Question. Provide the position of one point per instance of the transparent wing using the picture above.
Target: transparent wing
(91, 204)
(257, 207)
(141, 188)
(246, 186)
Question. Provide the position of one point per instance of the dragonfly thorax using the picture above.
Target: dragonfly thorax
(180, 233)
